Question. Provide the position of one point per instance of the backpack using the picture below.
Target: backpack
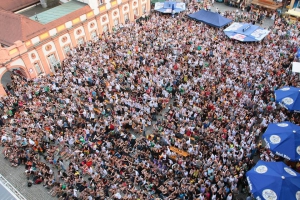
(29, 184)
(38, 181)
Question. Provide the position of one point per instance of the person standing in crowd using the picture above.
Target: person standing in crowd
(166, 108)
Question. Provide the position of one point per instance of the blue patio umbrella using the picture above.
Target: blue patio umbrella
(211, 18)
(246, 32)
(169, 7)
(288, 97)
(283, 139)
(273, 181)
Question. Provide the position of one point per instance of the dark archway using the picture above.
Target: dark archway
(6, 74)
(6, 78)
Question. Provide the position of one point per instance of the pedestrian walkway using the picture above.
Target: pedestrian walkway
(17, 178)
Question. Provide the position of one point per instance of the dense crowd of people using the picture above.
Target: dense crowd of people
(107, 122)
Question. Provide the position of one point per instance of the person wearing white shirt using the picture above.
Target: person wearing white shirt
(71, 141)
(118, 195)
(229, 197)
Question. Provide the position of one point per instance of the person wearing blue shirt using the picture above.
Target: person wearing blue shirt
(24, 143)
(94, 94)
(181, 196)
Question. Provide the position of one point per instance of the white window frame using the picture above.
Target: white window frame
(38, 68)
(105, 28)
(136, 12)
(67, 48)
(94, 35)
(126, 17)
(116, 22)
(52, 59)
(80, 40)
(54, 63)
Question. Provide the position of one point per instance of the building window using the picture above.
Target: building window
(33, 56)
(67, 49)
(64, 39)
(135, 12)
(80, 41)
(92, 25)
(100, 2)
(105, 28)
(53, 62)
(79, 31)
(37, 68)
(116, 22)
(126, 17)
(144, 9)
(94, 35)
(48, 47)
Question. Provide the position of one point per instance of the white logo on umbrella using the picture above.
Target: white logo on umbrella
(258, 198)
(283, 125)
(289, 171)
(298, 195)
(261, 169)
(288, 100)
(285, 89)
(275, 139)
(269, 194)
(298, 150)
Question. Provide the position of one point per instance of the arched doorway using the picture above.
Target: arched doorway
(19, 70)
(6, 74)
(6, 78)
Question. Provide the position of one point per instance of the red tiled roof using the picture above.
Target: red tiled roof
(14, 5)
(17, 27)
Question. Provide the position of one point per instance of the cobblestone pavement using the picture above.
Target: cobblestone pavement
(16, 176)
(222, 7)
